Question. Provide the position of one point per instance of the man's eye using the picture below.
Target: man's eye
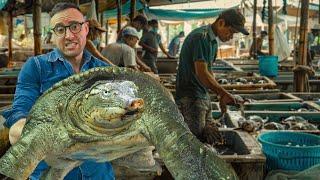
(75, 27)
(59, 29)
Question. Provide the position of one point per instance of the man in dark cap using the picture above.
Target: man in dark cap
(194, 75)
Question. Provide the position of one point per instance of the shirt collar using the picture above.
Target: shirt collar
(212, 36)
(57, 55)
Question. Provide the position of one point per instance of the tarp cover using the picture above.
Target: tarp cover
(3, 3)
(167, 14)
(182, 15)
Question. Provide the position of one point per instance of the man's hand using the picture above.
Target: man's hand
(154, 76)
(16, 130)
(146, 69)
(226, 99)
(170, 57)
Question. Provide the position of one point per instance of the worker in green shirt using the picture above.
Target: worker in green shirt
(194, 76)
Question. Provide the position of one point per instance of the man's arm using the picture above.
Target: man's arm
(208, 80)
(93, 50)
(148, 48)
(164, 51)
(142, 65)
(27, 91)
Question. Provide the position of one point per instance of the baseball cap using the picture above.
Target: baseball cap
(130, 31)
(95, 24)
(235, 19)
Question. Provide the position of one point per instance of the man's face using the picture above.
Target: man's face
(70, 44)
(131, 41)
(225, 32)
(138, 26)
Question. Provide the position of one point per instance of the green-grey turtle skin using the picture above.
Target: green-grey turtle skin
(61, 131)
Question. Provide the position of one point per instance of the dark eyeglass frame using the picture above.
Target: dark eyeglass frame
(65, 28)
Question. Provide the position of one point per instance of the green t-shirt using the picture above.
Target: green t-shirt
(199, 45)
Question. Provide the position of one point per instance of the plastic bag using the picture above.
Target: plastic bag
(282, 49)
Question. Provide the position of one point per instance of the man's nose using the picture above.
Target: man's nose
(69, 34)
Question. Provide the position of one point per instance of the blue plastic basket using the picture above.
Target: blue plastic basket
(280, 155)
(268, 66)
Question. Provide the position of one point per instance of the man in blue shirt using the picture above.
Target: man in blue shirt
(174, 45)
(194, 76)
(39, 73)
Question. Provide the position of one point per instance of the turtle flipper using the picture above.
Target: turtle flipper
(23, 157)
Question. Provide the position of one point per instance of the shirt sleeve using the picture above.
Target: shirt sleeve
(27, 91)
(199, 49)
(129, 57)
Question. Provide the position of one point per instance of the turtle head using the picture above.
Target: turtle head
(110, 105)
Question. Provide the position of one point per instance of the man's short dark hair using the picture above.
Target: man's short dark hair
(141, 19)
(62, 6)
(152, 22)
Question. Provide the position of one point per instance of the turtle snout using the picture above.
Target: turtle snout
(135, 104)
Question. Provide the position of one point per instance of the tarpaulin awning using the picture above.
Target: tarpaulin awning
(3, 3)
(125, 10)
(182, 15)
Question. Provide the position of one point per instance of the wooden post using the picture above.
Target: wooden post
(36, 17)
(300, 77)
(319, 13)
(107, 28)
(270, 28)
(101, 19)
(77, 2)
(254, 29)
(132, 9)
(10, 35)
(168, 35)
(119, 9)
(97, 10)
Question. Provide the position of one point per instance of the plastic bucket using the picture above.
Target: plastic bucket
(268, 66)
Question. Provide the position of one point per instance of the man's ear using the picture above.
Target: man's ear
(221, 22)
(86, 27)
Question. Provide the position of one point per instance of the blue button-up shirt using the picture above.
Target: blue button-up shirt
(37, 75)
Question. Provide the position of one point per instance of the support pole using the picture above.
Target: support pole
(107, 28)
(270, 28)
(10, 35)
(254, 29)
(77, 2)
(36, 17)
(97, 10)
(119, 8)
(319, 12)
(101, 19)
(300, 77)
(132, 9)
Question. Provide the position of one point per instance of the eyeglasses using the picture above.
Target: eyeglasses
(74, 27)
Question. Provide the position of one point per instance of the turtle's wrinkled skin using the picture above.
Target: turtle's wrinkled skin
(83, 118)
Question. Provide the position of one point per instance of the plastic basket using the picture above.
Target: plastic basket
(268, 66)
(283, 153)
